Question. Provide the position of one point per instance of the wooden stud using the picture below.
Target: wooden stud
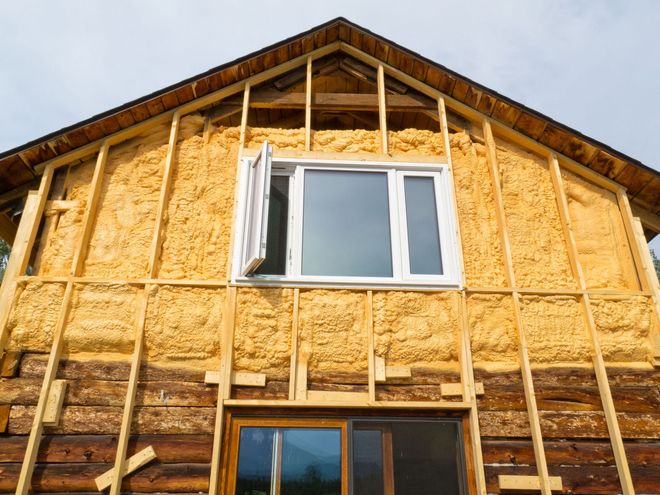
(190, 107)
(54, 403)
(308, 106)
(527, 483)
(301, 376)
(131, 464)
(294, 345)
(528, 385)
(599, 363)
(382, 111)
(371, 348)
(379, 370)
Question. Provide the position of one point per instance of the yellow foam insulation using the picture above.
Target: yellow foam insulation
(101, 319)
(126, 215)
(199, 214)
(279, 139)
(417, 329)
(415, 142)
(33, 317)
(554, 329)
(624, 328)
(602, 245)
(61, 229)
(183, 324)
(332, 330)
(353, 141)
(482, 250)
(538, 247)
(493, 335)
(262, 333)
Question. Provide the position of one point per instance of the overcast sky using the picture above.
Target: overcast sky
(594, 66)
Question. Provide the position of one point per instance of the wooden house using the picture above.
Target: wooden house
(332, 266)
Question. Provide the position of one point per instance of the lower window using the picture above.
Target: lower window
(314, 456)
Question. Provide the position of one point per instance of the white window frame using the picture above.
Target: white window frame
(396, 172)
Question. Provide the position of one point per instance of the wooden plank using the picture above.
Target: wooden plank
(301, 376)
(240, 378)
(371, 348)
(8, 229)
(132, 464)
(525, 367)
(382, 111)
(627, 217)
(332, 396)
(308, 105)
(379, 369)
(397, 372)
(599, 364)
(432, 405)
(10, 363)
(294, 344)
(456, 389)
(54, 403)
(527, 483)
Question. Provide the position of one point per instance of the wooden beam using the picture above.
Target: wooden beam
(527, 483)
(54, 403)
(371, 347)
(433, 405)
(525, 368)
(223, 111)
(241, 378)
(294, 344)
(627, 217)
(308, 105)
(186, 108)
(335, 396)
(649, 219)
(382, 111)
(366, 73)
(131, 464)
(8, 229)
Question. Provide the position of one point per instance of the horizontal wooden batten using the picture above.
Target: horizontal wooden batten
(526, 483)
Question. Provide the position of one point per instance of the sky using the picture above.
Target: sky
(592, 65)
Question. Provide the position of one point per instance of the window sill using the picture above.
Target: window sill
(364, 284)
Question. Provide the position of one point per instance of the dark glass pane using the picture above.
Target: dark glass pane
(422, 220)
(255, 459)
(311, 461)
(367, 462)
(278, 221)
(346, 224)
(426, 458)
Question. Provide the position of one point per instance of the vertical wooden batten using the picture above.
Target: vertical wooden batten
(308, 106)
(371, 347)
(382, 110)
(294, 344)
(525, 367)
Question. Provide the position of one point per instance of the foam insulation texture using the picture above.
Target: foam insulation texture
(416, 328)
(482, 250)
(554, 330)
(493, 335)
(332, 330)
(32, 321)
(183, 324)
(603, 249)
(538, 247)
(200, 209)
(262, 332)
(126, 214)
(624, 328)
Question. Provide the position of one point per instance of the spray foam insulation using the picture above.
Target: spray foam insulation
(554, 330)
(493, 335)
(538, 247)
(126, 214)
(332, 328)
(482, 250)
(602, 245)
(262, 333)
(184, 324)
(34, 313)
(199, 212)
(624, 328)
(416, 328)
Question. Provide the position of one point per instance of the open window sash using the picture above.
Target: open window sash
(256, 212)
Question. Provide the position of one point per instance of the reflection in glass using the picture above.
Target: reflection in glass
(422, 221)
(278, 219)
(346, 224)
(255, 459)
(367, 462)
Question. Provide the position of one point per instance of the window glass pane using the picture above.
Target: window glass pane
(311, 461)
(368, 462)
(422, 221)
(346, 224)
(426, 458)
(255, 459)
(278, 221)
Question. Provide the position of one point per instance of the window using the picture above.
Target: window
(300, 456)
(321, 222)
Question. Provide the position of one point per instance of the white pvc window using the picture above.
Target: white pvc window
(336, 222)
